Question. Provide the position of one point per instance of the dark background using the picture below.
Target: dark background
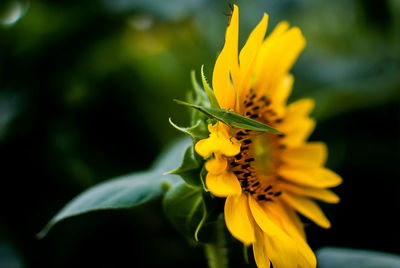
(86, 89)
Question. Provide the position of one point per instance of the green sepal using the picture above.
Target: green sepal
(203, 174)
(200, 96)
(183, 206)
(191, 213)
(190, 167)
(210, 93)
(208, 229)
(198, 131)
(232, 119)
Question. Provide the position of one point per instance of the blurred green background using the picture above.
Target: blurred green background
(86, 89)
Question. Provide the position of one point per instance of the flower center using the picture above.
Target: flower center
(264, 151)
(255, 165)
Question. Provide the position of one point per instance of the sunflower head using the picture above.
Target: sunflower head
(266, 177)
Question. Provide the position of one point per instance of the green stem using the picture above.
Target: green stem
(217, 252)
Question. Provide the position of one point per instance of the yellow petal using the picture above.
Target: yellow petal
(313, 177)
(282, 251)
(302, 107)
(249, 53)
(280, 248)
(267, 53)
(295, 113)
(216, 165)
(262, 219)
(284, 235)
(260, 255)
(234, 40)
(309, 259)
(324, 195)
(284, 89)
(220, 129)
(281, 94)
(238, 219)
(311, 154)
(278, 54)
(300, 134)
(308, 208)
(296, 124)
(219, 142)
(223, 185)
(286, 217)
(293, 43)
(203, 147)
(292, 225)
(227, 64)
(278, 31)
(249, 50)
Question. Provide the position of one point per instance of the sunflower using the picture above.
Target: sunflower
(266, 179)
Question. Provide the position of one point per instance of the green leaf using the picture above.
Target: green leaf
(11, 11)
(198, 131)
(190, 167)
(232, 119)
(210, 93)
(171, 156)
(331, 257)
(185, 209)
(126, 191)
(123, 192)
(193, 212)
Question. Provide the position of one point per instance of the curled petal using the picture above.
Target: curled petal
(219, 142)
(216, 165)
(223, 185)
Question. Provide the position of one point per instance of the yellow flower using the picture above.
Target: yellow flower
(267, 178)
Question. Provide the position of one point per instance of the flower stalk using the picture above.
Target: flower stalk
(217, 252)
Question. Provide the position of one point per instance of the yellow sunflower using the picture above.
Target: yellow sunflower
(266, 178)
